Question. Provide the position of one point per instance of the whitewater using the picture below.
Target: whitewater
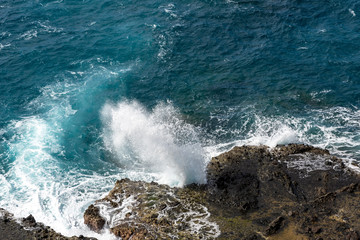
(96, 91)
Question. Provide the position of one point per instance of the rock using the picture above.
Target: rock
(133, 231)
(294, 191)
(275, 225)
(141, 210)
(29, 221)
(353, 235)
(248, 176)
(232, 177)
(93, 219)
(27, 228)
(313, 188)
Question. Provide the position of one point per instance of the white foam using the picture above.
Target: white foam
(308, 163)
(336, 129)
(46, 27)
(157, 141)
(40, 27)
(29, 34)
(199, 222)
(149, 144)
(196, 215)
(114, 216)
(163, 44)
(352, 12)
(5, 34)
(37, 185)
(153, 26)
(272, 133)
(169, 9)
(302, 48)
(317, 96)
(35, 180)
(4, 45)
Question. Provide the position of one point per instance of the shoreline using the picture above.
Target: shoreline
(292, 191)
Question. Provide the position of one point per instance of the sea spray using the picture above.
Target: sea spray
(241, 73)
(158, 141)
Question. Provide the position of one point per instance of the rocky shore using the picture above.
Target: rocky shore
(28, 229)
(288, 192)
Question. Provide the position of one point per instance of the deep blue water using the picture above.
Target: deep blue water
(93, 91)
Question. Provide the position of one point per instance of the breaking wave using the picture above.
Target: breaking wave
(157, 141)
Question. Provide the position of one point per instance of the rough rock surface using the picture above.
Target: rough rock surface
(288, 192)
(93, 219)
(28, 229)
(140, 210)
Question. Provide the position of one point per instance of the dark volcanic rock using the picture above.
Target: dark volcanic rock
(314, 190)
(248, 177)
(288, 192)
(29, 221)
(28, 229)
(233, 177)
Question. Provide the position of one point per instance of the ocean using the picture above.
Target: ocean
(96, 90)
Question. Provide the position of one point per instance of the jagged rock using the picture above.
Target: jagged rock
(28, 229)
(288, 192)
(29, 221)
(93, 219)
(139, 210)
(247, 177)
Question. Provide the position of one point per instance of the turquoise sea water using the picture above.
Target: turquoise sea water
(93, 91)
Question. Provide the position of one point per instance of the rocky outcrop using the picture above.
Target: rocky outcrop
(28, 229)
(93, 219)
(288, 192)
(140, 210)
(247, 177)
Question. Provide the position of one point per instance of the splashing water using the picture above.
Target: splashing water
(39, 178)
(36, 176)
(85, 88)
(158, 141)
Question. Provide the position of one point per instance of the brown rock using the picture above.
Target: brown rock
(127, 231)
(93, 219)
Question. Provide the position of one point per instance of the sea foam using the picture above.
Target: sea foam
(36, 176)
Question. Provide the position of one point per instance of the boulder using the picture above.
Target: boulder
(93, 219)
